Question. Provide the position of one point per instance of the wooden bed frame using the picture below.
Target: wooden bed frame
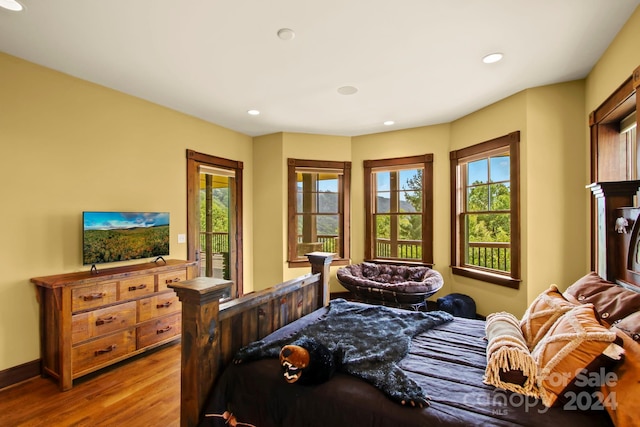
(212, 332)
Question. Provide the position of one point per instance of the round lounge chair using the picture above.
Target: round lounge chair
(391, 285)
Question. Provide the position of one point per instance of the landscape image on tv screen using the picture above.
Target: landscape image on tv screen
(123, 236)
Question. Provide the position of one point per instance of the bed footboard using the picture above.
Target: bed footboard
(213, 332)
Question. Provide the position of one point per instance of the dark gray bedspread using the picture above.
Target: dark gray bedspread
(447, 361)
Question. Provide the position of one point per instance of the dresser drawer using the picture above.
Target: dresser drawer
(159, 330)
(103, 321)
(102, 350)
(165, 279)
(159, 305)
(93, 296)
(136, 287)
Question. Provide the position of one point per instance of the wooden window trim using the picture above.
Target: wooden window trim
(513, 279)
(426, 162)
(344, 207)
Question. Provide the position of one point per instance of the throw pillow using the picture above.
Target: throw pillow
(510, 365)
(542, 314)
(612, 301)
(576, 345)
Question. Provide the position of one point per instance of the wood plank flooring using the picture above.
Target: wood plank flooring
(144, 391)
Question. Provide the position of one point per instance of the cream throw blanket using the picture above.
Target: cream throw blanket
(507, 351)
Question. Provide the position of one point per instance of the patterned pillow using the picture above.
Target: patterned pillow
(612, 301)
(576, 345)
(542, 314)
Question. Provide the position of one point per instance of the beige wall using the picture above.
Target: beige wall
(270, 225)
(67, 146)
(556, 198)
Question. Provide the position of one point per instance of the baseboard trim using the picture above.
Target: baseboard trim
(19, 373)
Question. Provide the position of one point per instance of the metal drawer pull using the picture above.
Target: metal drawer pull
(165, 305)
(102, 321)
(163, 330)
(91, 297)
(168, 281)
(137, 288)
(106, 350)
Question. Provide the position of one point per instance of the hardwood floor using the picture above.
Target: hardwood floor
(143, 391)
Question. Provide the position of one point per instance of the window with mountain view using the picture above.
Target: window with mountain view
(318, 209)
(399, 217)
(485, 230)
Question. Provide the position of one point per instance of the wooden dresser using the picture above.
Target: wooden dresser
(91, 320)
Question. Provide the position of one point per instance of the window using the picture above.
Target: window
(485, 241)
(318, 209)
(399, 209)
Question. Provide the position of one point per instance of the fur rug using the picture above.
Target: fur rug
(368, 342)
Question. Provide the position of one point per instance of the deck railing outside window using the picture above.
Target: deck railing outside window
(407, 249)
(329, 242)
(214, 262)
(491, 255)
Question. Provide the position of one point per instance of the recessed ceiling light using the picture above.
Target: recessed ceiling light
(286, 34)
(347, 90)
(11, 5)
(492, 57)
(389, 123)
(253, 112)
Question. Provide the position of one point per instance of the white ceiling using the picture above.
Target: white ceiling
(417, 62)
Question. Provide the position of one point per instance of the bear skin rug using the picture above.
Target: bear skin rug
(368, 342)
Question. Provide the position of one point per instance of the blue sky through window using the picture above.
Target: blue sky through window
(384, 185)
(478, 171)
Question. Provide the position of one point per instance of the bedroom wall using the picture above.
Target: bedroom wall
(69, 145)
(558, 202)
(270, 225)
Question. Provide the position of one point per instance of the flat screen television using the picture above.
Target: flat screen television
(124, 236)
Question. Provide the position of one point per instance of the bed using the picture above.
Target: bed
(449, 361)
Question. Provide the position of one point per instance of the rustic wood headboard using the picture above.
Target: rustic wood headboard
(212, 332)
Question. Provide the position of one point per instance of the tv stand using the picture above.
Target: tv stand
(90, 321)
